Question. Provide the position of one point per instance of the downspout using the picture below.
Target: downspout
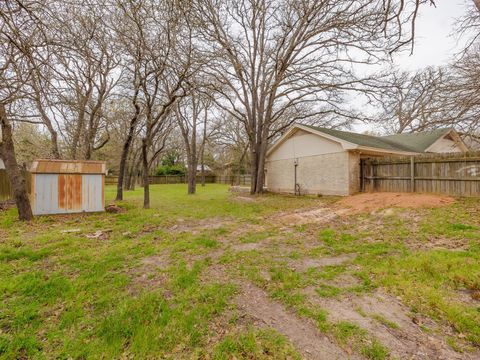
(297, 185)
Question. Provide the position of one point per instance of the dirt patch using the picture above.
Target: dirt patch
(195, 227)
(372, 202)
(345, 281)
(148, 275)
(438, 243)
(306, 264)
(246, 246)
(313, 216)
(390, 322)
(245, 199)
(254, 303)
(469, 297)
(5, 205)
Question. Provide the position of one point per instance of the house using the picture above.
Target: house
(2, 165)
(314, 160)
(207, 169)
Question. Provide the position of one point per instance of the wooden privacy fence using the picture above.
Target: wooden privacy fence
(234, 179)
(6, 192)
(182, 179)
(451, 174)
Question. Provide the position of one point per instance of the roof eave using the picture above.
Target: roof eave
(345, 144)
(387, 152)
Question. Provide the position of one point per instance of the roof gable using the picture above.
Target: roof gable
(418, 142)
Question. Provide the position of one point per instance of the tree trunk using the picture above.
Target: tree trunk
(15, 176)
(146, 185)
(257, 167)
(123, 161)
(253, 170)
(54, 140)
(203, 173)
(192, 176)
(477, 4)
(261, 166)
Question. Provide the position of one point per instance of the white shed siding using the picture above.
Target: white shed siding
(2, 165)
(303, 144)
(45, 194)
(47, 198)
(92, 193)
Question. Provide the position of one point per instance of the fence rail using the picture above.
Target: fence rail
(182, 179)
(451, 174)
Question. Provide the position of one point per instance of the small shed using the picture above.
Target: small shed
(67, 186)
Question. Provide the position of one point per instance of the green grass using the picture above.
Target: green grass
(255, 344)
(146, 291)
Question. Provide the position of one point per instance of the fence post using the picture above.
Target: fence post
(373, 181)
(412, 173)
(362, 175)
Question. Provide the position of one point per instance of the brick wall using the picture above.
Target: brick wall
(326, 174)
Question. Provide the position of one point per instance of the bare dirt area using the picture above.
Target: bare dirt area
(372, 202)
(148, 275)
(254, 303)
(379, 203)
(388, 320)
(196, 226)
(305, 264)
(320, 215)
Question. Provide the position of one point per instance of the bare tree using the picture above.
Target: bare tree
(410, 102)
(86, 65)
(192, 118)
(20, 31)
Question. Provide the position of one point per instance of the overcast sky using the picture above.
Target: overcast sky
(435, 41)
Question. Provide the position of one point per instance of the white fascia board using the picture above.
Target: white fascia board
(387, 152)
(345, 144)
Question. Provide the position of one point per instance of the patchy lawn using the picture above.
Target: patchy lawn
(220, 276)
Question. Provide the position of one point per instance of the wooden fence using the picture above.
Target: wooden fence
(451, 174)
(182, 179)
(242, 180)
(6, 192)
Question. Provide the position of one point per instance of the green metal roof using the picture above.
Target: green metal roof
(418, 142)
(415, 142)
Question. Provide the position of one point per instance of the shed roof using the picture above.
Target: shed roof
(47, 166)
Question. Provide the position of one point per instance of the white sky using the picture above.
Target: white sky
(435, 41)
